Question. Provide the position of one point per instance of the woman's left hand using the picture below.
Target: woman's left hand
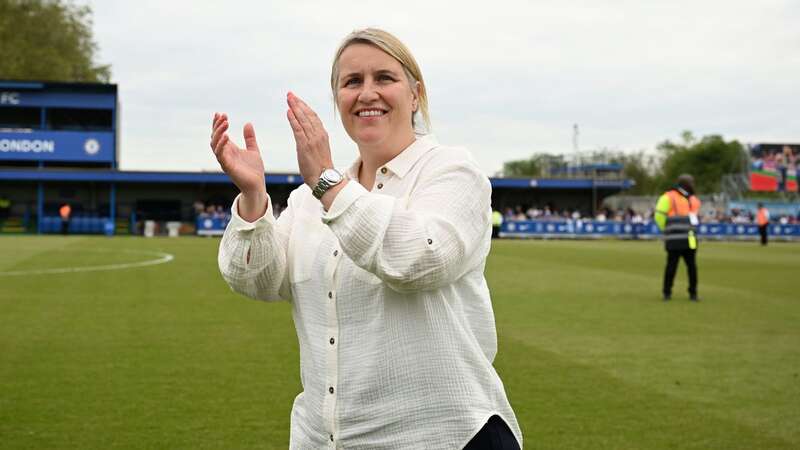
(313, 149)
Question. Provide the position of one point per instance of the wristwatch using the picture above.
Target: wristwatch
(328, 179)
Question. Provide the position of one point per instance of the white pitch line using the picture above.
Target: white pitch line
(163, 258)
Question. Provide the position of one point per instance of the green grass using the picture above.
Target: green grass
(168, 357)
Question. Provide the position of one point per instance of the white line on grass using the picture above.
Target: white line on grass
(162, 259)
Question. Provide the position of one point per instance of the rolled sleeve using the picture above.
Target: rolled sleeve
(252, 255)
(346, 197)
(240, 225)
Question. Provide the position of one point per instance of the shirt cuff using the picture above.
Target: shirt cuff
(346, 197)
(239, 224)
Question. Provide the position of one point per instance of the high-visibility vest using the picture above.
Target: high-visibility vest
(679, 232)
(497, 218)
(762, 216)
(65, 211)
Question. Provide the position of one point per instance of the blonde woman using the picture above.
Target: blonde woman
(383, 265)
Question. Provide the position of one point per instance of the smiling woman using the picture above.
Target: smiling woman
(383, 265)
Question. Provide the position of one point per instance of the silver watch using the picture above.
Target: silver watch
(328, 179)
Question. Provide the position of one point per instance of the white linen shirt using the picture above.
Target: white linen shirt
(392, 311)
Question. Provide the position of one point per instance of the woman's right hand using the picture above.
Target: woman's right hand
(244, 167)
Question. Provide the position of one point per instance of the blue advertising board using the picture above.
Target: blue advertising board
(81, 146)
(212, 226)
(628, 230)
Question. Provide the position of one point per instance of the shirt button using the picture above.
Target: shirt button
(430, 241)
(383, 170)
(331, 438)
(332, 341)
(330, 389)
(380, 185)
(330, 294)
(336, 253)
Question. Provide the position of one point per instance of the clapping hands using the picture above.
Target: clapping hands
(245, 166)
(311, 139)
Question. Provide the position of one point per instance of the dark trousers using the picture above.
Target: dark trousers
(762, 230)
(672, 266)
(495, 231)
(495, 435)
(64, 226)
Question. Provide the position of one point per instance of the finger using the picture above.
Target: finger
(299, 134)
(310, 113)
(221, 118)
(215, 123)
(299, 114)
(220, 147)
(250, 137)
(218, 132)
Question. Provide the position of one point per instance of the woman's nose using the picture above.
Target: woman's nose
(368, 93)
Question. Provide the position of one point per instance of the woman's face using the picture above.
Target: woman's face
(374, 97)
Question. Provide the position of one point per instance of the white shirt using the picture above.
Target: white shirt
(392, 311)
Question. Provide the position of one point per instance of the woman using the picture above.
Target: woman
(383, 266)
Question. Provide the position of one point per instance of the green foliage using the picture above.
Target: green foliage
(48, 40)
(536, 166)
(639, 166)
(707, 159)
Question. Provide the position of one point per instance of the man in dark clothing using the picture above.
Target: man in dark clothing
(677, 217)
(66, 213)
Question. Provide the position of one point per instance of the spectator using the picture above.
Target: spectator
(65, 211)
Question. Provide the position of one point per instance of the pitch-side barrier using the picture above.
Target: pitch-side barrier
(590, 229)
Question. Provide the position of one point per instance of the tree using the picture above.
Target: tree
(537, 165)
(707, 159)
(48, 40)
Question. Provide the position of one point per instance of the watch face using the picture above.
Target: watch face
(332, 176)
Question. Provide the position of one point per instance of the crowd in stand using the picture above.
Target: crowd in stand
(211, 211)
(550, 212)
(204, 210)
(745, 216)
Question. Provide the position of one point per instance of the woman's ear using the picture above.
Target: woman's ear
(415, 92)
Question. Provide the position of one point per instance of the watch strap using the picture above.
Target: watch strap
(324, 184)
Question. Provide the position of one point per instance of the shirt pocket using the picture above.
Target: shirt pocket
(304, 246)
(364, 276)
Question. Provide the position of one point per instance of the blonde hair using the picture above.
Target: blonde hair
(397, 50)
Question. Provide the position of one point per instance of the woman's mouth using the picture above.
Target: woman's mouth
(371, 112)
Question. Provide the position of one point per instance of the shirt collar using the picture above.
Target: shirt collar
(403, 162)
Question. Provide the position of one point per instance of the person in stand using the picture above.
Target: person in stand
(497, 222)
(383, 265)
(65, 211)
(762, 219)
(5, 207)
(677, 217)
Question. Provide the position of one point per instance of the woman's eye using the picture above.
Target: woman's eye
(351, 81)
(385, 78)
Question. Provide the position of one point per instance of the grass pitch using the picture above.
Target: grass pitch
(166, 356)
